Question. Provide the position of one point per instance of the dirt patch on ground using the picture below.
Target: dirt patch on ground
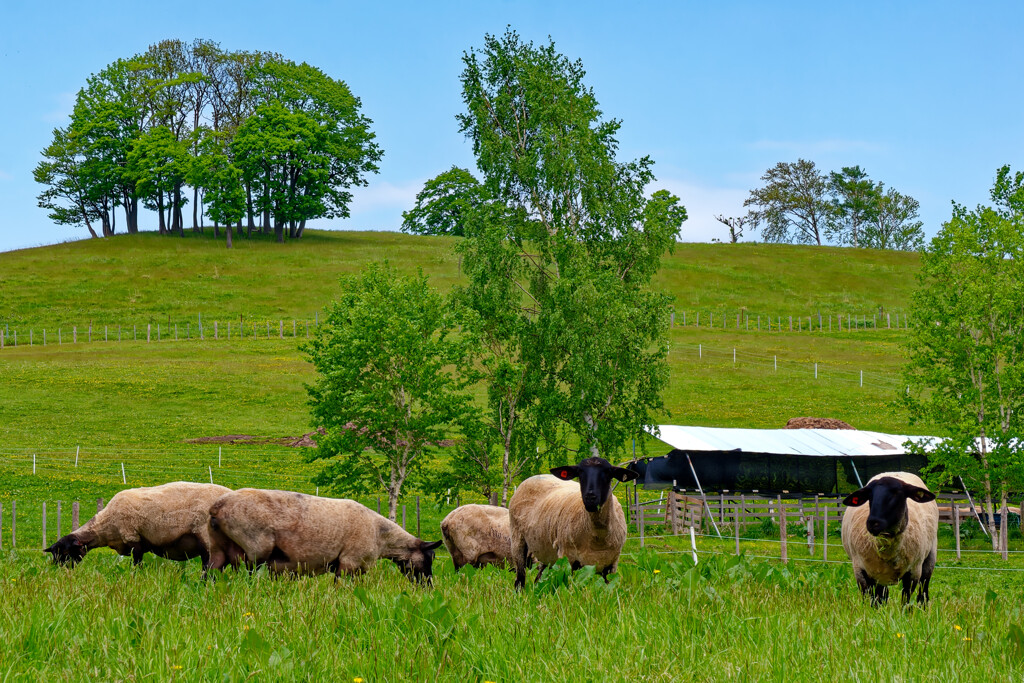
(817, 423)
(304, 441)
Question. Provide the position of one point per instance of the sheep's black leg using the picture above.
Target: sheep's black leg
(909, 584)
(520, 556)
(137, 554)
(607, 571)
(576, 566)
(926, 577)
(540, 572)
(879, 593)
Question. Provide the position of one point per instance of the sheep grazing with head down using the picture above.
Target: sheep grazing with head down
(302, 534)
(171, 521)
(552, 516)
(477, 535)
(894, 538)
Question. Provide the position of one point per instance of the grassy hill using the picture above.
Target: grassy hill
(143, 402)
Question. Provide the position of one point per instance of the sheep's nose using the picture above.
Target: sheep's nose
(875, 526)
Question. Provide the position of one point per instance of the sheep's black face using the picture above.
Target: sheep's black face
(595, 475)
(67, 551)
(887, 498)
(419, 567)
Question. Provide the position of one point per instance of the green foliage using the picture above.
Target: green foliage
(444, 203)
(854, 205)
(894, 225)
(793, 205)
(385, 391)
(966, 358)
(560, 273)
(158, 163)
(214, 171)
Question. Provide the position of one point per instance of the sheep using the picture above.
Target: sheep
(171, 521)
(551, 516)
(894, 538)
(477, 535)
(302, 534)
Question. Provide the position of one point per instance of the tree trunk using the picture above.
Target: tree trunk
(160, 211)
(131, 214)
(248, 204)
(88, 224)
(178, 218)
(228, 231)
(302, 228)
(195, 209)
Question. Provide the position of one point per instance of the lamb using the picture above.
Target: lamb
(302, 534)
(171, 521)
(477, 535)
(553, 517)
(894, 538)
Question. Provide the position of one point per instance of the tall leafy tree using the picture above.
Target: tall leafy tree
(565, 277)
(308, 144)
(443, 205)
(69, 197)
(894, 223)
(213, 170)
(966, 352)
(854, 204)
(158, 163)
(386, 392)
(793, 205)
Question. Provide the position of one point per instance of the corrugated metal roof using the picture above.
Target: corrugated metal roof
(813, 442)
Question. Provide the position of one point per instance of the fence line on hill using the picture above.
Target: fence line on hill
(265, 328)
(230, 330)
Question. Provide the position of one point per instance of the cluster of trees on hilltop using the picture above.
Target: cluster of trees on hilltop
(798, 203)
(251, 135)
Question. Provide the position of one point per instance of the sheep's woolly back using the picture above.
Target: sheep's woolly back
(159, 515)
(548, 514)
(307, 533)
(887, 561)
(472, 532)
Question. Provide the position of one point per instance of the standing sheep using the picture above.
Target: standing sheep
(894, 538)
(552, 517)
(477, 535)
(299, 533)
(171, 521)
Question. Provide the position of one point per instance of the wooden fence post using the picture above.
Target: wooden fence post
(74, 516)
(642, 520)
(956, 526)
(783, 532)
(824, 534)
(149, 330)
(74, 333)
(280, 329)
(44, 525)
(736, 524)
(378, 505)
(99, 505)
(673, 511)
(417, 517)
(403, 515)
(216, 330)
(1004, 530)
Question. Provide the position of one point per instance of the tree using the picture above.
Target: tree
(966, 354)
(893, 224)
(854, 204)
(214, 171)
(386, 392)
(307, 143)
(67, 197)
(158, 163)
(792, 206)
(735, 225)
(444, 203)
(564, 278)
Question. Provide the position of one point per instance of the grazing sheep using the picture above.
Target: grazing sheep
(553, 517)
(171, 521)
(303, 534)
(477, 535)
(894, 538)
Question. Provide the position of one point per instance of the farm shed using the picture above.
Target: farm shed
(773, 461)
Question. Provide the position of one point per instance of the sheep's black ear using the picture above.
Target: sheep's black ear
(566, 472)
(431, 546)
(857, 498)
(52, 549)
(918, 494)
(622, 474)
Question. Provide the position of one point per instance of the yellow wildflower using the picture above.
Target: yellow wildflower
(357, 679)
(957, 627)
(967, 639)
(176, 667)
(899, 635)
(657, 571)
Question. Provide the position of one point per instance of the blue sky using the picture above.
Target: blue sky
(927, 97)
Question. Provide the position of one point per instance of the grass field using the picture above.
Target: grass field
(138, 404)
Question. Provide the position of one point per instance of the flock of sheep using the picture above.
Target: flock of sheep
(569, 513)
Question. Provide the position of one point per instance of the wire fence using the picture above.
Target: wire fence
(748, 321)
(164, 331)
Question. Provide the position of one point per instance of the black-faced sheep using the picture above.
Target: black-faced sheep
(894, 538)
(477, 535)
(552, 516)
(171, 521)
(303, 534)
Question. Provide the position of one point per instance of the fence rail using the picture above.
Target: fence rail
(816, 322)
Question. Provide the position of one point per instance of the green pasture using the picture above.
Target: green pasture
(152, 279)
(661, 618)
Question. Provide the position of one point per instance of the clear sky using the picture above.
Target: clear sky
(927, 97)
